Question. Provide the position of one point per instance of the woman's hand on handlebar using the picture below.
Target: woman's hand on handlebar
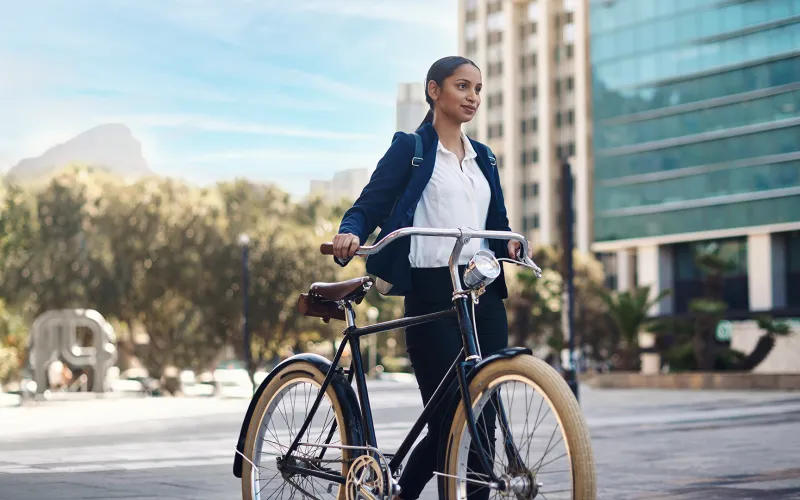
(345, 246)
(514, 249)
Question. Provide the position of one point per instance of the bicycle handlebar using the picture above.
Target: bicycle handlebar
(327, 248)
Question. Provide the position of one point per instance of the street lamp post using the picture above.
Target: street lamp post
(372, 316)
(567, 211)
(244, 243)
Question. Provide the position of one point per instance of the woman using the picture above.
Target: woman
(454, 184)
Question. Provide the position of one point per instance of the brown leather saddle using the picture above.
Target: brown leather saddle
(322, 300)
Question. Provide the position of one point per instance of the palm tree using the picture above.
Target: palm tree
(629, 311)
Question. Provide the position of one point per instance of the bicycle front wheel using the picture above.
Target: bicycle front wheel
(533, 433)
(277, 418)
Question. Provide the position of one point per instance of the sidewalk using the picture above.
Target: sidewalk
(9, 400)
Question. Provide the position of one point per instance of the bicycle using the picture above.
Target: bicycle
(353, 466)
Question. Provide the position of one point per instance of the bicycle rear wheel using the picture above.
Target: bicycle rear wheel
(278, 417)
(533, 397)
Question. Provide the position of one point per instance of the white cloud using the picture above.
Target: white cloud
(334, 160)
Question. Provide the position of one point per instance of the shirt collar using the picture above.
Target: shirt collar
(469, 151)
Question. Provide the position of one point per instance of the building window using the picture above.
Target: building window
(535, 189)
(609, 263)
(496, 21)
(533, 11)
(524, 161)
(569, 33)
(558, 120)
(570, 51)
(690, 277)
(571, 116)
(471, 31)
(571, 149)
(535, 155)
(495, 130)
(570, 83)
(530, 222)
(495, 69)
(793, 269)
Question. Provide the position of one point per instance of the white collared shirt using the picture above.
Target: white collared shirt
(455, 196)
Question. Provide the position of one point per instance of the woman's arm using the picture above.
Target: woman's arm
(513, 246)
(377, 198)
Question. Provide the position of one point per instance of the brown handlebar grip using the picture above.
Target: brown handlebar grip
(326, 248)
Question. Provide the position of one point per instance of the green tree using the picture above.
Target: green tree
(535, 305)
(13, 343)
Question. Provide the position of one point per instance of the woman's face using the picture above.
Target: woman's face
(459, 96)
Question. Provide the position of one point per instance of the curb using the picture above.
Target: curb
(741, 381)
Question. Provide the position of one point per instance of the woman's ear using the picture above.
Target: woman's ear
(433, 90)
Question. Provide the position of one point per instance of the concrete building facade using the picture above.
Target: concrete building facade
(345, 185)
(535, 105)
(411, 106)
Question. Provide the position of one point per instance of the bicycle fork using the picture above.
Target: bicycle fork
(525, 485)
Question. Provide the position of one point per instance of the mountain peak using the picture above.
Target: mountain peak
(111, 146)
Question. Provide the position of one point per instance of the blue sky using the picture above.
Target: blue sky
(272, 90)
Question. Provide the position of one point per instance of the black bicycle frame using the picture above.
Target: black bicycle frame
(459, 370)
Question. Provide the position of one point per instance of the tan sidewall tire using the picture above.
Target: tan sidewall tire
(557, 393)
(288, 374)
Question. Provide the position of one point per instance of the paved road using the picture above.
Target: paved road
(676, 445)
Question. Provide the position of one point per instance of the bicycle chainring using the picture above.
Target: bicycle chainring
(365, 473)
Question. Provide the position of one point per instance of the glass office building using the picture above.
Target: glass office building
(696, 138)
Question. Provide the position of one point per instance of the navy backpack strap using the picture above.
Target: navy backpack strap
(417, 159)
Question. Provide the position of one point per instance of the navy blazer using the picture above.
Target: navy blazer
(390, 199)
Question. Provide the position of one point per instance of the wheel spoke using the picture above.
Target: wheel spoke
(287, 409)
(525, 437)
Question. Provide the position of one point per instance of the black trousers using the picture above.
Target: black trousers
(432, 347)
